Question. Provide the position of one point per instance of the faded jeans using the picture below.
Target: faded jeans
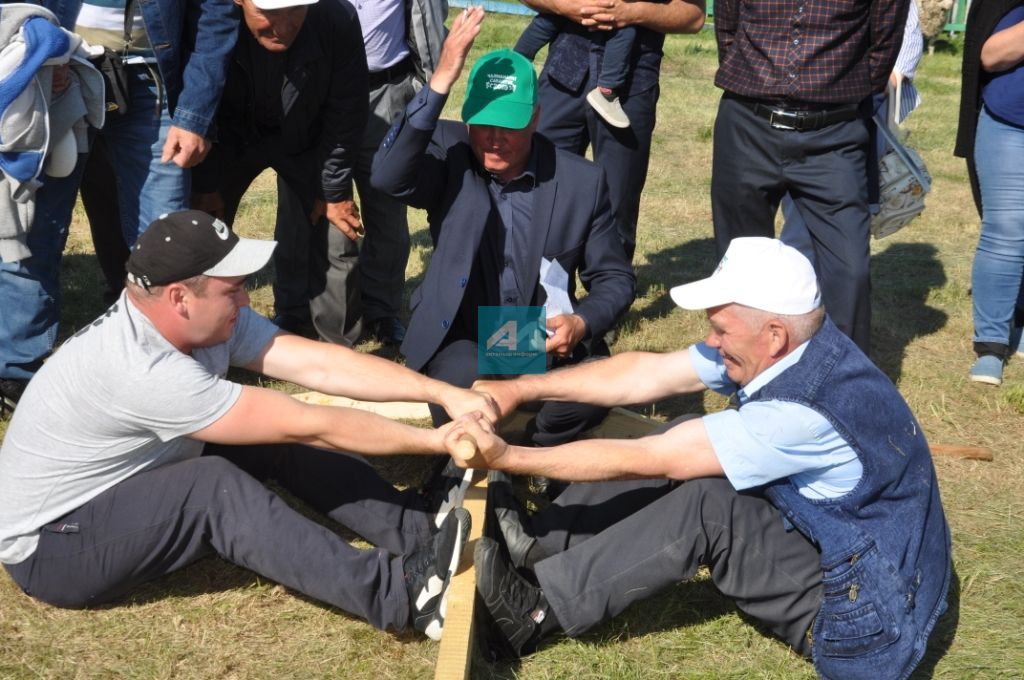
(998, 271)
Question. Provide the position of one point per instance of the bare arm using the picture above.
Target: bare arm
(263, 416)
(671, 16)
(333, 369)
(627, 378)
(1003, 50)
(683, 452)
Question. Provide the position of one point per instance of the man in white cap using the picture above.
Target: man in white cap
(131, 455)
(814, 503)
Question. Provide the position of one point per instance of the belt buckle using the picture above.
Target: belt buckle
(778, 124)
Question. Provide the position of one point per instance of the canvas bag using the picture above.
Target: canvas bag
(903, 178)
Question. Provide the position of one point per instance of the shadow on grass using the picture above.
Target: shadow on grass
(674, 266)
(902, 277)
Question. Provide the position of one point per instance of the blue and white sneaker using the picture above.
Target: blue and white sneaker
(428, 573)
(988, 369)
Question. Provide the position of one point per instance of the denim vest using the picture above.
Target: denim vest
(885, 545)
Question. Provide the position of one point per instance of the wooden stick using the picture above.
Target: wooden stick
(466, 447)
(964, 452)
(456, 650)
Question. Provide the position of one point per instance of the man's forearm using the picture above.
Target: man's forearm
(627, 378)
(671, 16)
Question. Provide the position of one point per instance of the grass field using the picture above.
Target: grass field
(212, 620)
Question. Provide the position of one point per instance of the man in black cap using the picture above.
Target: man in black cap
(130, 455)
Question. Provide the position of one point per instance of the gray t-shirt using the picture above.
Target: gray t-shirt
(117, 398)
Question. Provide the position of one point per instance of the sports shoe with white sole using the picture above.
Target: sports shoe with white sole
(447, 491)
(609, 109)
(428, 573)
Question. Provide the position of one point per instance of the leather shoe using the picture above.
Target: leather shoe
(389, 330)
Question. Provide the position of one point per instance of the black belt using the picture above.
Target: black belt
(378, 78)
(800, 120)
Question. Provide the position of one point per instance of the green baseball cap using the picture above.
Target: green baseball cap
(502, 91)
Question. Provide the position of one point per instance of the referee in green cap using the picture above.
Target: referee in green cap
(514, 221)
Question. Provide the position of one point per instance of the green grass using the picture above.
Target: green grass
(212, 620)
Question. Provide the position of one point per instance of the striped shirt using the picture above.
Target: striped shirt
(816, 51)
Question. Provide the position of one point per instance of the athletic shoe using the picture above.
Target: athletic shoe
(10, 394)
(428, 573)
(447, 491)
(512, 520)
(608, 108)
(988, 369)
(517, 606)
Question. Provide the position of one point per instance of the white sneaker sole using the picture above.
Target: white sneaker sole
(986, 380)
(435, 628)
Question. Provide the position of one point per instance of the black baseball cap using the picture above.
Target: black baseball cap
(180, 245)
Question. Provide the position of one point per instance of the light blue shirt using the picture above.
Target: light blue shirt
(769, 440)
(383, 24)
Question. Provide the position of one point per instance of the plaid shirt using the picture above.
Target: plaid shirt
(821, 51)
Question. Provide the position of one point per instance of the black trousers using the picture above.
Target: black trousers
(316, 265)
(555, 423)
(160, 520)
(572, 124)
(616, 543)
(824, 171)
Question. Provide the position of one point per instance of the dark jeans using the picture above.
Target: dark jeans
(615, 543)
(617, 48)
(555, 423)
(825, 173)
(623, 153)
(161, 519)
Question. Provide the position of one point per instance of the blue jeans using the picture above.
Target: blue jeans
(30, 289)
(998, 271)
(146, 187)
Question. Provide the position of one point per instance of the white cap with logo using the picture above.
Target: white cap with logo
(758, 272)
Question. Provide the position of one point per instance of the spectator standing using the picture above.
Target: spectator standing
(572, 71)
(174, 67)
(798, 76)
(294, 101)
(991, 138)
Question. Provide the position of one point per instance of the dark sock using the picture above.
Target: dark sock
(996, 349)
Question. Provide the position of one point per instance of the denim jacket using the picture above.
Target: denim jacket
(885, 545)
(193, 67)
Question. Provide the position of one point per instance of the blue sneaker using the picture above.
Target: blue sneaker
(987, 369)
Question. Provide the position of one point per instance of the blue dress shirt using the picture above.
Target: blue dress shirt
(769, 440)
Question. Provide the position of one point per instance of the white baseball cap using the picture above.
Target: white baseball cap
(281, 4)
(758, 272)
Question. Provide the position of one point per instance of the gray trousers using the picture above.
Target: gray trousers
(616, 543)
(362, 282)
(160, 520)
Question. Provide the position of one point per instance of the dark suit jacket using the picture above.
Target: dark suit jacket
(439, 173)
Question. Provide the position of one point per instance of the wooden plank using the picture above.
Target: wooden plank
(456, 649)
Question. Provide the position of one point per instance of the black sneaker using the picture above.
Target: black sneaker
(447, 491)
(10, 394)
(517, 606)
(429, 571)
(512, 520)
